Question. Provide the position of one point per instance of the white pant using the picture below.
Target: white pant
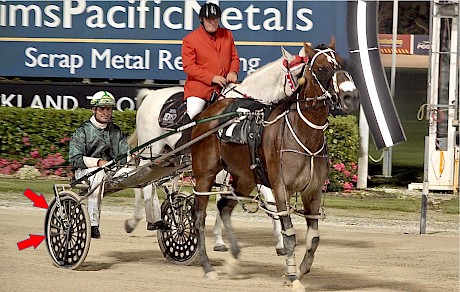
(94, 200)
(195, 105)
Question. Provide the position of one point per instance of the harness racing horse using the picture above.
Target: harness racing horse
(293, 152)
(267, 84)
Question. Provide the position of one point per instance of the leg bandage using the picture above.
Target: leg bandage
(289, 232)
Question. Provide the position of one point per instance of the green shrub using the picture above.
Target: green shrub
(343, 145)
(40, 137)
(23, 130)
(343, 139)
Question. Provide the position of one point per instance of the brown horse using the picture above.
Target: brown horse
(293, 152)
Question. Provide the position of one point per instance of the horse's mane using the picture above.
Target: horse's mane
(259, 70)
(321, 47)
(257, 83)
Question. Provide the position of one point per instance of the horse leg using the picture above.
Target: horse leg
(201, 202)
(131, 224)
(219, 244)
(270, 199)
(289, 245)
(152, 206)
(231, 265)
(312, 242)
(312, 238)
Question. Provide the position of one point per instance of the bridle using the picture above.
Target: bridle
(331, 83)
(325, 95)
(288, 67)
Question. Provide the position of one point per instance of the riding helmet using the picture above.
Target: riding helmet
(210, 10)
(103, 98)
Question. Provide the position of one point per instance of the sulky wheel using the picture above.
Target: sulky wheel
(179, 245)
(67, 231)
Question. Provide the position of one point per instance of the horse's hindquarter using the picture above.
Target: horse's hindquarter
(210, 154)
(206, 152)
(147, 126)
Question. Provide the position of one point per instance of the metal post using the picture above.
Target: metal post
(425, 189)
(363, 151)
(388, 152)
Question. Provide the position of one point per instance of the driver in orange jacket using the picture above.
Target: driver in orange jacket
(209, 59)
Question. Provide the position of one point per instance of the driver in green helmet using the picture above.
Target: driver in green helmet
(95, 143)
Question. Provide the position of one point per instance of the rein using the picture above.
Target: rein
(223, 94)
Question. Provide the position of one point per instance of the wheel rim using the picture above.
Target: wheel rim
(68, 240)
(179, 245)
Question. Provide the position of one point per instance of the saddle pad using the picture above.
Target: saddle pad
(239, 132)
(173, 111)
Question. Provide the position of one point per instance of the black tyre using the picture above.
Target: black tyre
(67, 231)
(180, 244)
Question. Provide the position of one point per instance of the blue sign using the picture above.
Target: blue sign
(142, 39)
(421, 44)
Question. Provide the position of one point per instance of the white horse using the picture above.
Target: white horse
(268, 84)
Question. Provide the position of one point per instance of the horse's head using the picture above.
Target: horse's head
(293, 65)
(325, 67)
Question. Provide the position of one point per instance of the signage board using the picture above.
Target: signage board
(129, 39)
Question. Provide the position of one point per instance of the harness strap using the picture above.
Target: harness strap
(316, 127)
(268, 123)
(300, 143)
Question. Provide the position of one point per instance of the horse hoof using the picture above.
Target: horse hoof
(281, 251)
(220, 248)
(213, 275)
(297, 286)
(128, 227)
(231, 267)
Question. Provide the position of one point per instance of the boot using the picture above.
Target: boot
(186, 134)
(185, 156)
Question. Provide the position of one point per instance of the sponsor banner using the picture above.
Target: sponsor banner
(67, 96)
(142, 39)
(421, 44)
(403, 44)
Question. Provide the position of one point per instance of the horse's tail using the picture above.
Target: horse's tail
(132, 140)
(141, 95)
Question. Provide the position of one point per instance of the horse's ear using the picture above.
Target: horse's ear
(287, 55)
(302, 52)
(332, 43)
(308, 50)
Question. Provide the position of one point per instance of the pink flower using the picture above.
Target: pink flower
(3, 162)
(353, 166)
(354, 178)
(347, 186)
(347, 173)
(35, 153)
(52, 147)
(58, 172)
(339, 166)
(63, 140)
(11, 167)
(25, 141)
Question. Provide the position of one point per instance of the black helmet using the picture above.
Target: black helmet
(210, 10)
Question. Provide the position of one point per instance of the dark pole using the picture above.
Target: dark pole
(424, 190)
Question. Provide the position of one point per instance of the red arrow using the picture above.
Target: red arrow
(34, 241)
(39, 201)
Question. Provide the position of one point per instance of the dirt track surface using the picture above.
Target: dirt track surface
(356, 253)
